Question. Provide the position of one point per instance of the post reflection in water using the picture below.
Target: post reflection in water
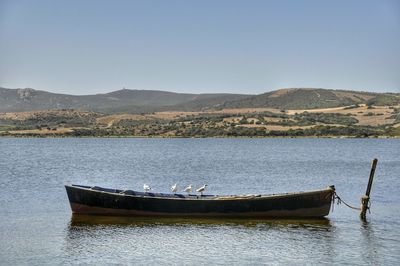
(367, 237)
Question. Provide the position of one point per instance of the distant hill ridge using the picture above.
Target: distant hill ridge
(142, 101)
(307, 98)
(15, 100)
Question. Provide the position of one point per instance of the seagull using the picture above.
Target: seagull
(174, 188)
(146, 188)
(202, 189)
(188, 189)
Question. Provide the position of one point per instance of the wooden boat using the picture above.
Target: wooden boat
(106, 201)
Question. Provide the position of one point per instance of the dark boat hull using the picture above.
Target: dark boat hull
(99, 201)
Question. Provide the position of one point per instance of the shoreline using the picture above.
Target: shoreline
(198, 137)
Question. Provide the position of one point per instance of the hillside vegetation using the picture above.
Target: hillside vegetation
(353, 121)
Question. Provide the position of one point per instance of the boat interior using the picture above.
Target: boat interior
(145, 194)
(192, 196)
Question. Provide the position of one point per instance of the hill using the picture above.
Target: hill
(130, 101)
(303, 98)
(148, 101)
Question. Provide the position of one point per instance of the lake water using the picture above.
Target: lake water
(37, 228)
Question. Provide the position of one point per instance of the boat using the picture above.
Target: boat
(94, 200)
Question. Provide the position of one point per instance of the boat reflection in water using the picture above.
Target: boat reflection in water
(160, 240)
(81, 220)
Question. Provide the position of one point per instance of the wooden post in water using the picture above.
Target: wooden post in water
(365, 198)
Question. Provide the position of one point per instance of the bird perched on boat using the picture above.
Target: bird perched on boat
(188, 189)
(146, 188)
(201, 189)
(174, 188)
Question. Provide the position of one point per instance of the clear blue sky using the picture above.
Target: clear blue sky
(86, 47)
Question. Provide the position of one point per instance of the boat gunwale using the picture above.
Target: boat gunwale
(210, 197)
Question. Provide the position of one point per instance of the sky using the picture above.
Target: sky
(205, 46)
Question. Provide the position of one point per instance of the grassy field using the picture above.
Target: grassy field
(353, 121)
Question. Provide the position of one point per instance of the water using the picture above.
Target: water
(37, 228)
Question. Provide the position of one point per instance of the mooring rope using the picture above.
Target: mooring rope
(339, 201)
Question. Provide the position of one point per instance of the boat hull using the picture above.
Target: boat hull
(86, 200)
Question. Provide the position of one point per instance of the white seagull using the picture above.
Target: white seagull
(201, 189)
(174, 188)
(188, 189)
(146, 188)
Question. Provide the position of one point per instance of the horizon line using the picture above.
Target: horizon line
(199, 93)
